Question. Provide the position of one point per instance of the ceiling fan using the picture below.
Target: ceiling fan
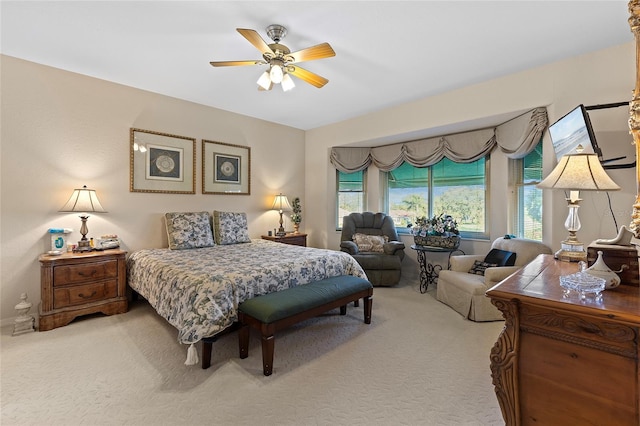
(281, 60)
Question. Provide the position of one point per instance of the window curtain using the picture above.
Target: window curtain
(350, 160)
(519, 136)
(516, 138)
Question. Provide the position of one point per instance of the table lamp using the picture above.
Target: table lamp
(281, 203)
(576, 172)
(85, 201)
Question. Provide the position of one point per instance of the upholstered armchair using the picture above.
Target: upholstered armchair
(463, 286)
(372, 240)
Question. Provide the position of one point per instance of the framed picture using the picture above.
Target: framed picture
(161, 162)
(226, 168)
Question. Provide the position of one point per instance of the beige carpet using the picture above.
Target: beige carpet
(418, 363)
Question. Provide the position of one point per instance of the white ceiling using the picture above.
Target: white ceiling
(387, 52)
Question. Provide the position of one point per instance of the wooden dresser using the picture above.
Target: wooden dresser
(74, 284)
(562, 361)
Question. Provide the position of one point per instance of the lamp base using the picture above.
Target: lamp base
(83, 245)
(571, 255)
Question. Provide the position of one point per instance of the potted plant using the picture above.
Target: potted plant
(438, 231)
(296, 217)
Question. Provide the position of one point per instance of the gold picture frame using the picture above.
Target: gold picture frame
(226, 168)
(161, 162)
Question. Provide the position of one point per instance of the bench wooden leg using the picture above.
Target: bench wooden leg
(367, 309)
(356, 303)
(207, 345)
(343, 310)
(243, 341)
(268, 343)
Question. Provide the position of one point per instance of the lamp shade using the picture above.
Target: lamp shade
(265, 81)
(287, 83)
(281, 203)
(83, 200)
(276, 73)
(581, 172)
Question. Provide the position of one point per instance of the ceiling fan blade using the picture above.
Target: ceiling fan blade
(319, 51)
(309, 77)
(234, 63)
(254, 38)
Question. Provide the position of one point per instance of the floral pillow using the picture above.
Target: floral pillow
(479, 267)
(189, 230)
(231, 228)
(373, 243)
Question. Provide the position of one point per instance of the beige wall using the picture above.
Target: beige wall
(62, 130)
(602, 77)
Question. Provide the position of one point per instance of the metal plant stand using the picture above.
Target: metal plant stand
(428, 270)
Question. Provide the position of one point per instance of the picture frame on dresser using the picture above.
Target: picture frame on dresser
(226, 168)
(161, 162)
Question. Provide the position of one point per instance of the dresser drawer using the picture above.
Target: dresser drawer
(70, 274)
(592, 332)
(86, 293)
(296, 241)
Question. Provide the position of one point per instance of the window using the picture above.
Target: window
(350, 194)
(407, 194)
(447, 187)
(527, 200)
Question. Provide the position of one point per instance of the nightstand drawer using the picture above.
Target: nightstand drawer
(81, 294)
(291, 239)
(69, 274)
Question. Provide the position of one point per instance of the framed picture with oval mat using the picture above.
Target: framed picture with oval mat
(226, 168)
(161, 162)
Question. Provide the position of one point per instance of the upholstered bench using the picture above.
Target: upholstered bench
(276, 311)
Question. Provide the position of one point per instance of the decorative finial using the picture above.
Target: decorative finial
(24, 323)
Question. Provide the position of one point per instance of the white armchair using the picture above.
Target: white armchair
(465, 292)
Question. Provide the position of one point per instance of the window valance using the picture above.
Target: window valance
(516, 138)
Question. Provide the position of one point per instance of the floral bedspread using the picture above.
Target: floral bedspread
(198, 290)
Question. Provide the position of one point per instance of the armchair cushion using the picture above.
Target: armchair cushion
(500, 257)
(372, 243)
(479, 267)
(464, 262)
(495, 275)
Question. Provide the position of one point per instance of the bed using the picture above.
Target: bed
(198, 289)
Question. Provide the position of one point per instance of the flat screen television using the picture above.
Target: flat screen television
(572, 130)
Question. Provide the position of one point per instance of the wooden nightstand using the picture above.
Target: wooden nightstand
(74, 284)
(291, 239)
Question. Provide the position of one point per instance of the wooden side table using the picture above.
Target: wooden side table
(291, 239)
(74, 284)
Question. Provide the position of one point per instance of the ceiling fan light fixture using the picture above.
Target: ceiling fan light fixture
(287, 83)
(280, 59)
(264, 81)
(276, 74)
